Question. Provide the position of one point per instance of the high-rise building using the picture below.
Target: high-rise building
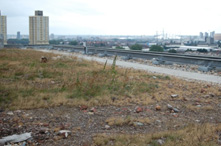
(52, 36)
(212, 34)
(18, 35)
(3, 27)
(38, 29)
(1, 41)
(201, 35)
(206, 34)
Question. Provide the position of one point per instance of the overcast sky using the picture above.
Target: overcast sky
(116, 17)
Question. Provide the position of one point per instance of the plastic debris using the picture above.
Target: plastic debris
(15, 138)
(65, 132)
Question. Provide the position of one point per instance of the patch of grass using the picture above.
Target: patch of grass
(192, 135)
(6, 96)
(120, 121)
(74, 81)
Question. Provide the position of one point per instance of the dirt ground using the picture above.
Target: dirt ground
(85, 123)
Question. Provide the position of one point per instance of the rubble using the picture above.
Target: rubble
(158, 108)
(107, 127)
(171, 108)
(44, 59)
(139, 109)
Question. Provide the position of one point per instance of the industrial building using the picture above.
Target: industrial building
(39, 29)
(3, 27)
(217, 36)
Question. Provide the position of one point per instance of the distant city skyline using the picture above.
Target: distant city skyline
(116, 17)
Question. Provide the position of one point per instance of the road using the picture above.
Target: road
(148, 68)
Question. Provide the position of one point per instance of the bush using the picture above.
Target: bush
(119, 47)
(189, 50)
(172, 51)
(156, 48)
(73, 43)
(202, 50)
(136, 47)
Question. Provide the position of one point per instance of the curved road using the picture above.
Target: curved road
(161, 70)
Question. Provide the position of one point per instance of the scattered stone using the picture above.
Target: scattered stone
(154, 77)
(202, 91)
(93, 110)
(158, 108)
(212, 95)
(170, 107)
(174, 96)
(107, 127)
(90, 113)
(176, 110)
(18, 111)
(160, 141)
(198, 121)
(43, 130)
(83, 107)
(173, 109)
(206, 96)
(139, 109)
(138, 124)
(10, 113)
(43, 59)
(57, 129)
(113, 98)
(175, 115)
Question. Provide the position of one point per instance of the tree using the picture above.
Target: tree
(202, 50)
(156, 48)
(172, 51)
(73, 43)
(136, 47)
(55, 42)
(189, 50)
(119, 47)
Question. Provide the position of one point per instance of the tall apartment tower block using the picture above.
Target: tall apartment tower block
(3, 27)
(38, 29)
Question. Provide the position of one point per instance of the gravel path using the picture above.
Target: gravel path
(161, 70)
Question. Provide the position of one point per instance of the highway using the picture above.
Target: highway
(170, 57)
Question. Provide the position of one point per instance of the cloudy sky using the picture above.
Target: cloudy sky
(116, 17)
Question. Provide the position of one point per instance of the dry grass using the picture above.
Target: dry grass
(25, 83)
(119, 121)
(192, 135)
(196, 108)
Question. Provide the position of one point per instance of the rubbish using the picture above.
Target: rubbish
(160, 141)
(83, 107)
(43, 59)
(65, 132)
(138, 124)
(15, 138)
(10, 113)
(174, 96)
(107, 127)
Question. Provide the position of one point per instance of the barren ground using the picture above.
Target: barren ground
(101, 104)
